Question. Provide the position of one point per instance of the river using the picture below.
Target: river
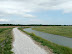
(60, 40)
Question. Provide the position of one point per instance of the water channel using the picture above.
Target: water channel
(53, 38)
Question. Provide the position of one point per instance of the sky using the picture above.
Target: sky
(54, 12)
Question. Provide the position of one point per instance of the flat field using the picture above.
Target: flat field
(8, 26)
(57, 30)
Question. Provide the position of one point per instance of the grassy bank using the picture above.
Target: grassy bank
(57, 30)
(57, 49)
(5, 40)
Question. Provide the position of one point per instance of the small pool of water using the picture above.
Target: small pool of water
(53, 38)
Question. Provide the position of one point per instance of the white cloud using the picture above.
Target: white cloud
(29, 16)
(35, 21)
(13, 8)
(4, 20)
(1, 15)
(22, 7)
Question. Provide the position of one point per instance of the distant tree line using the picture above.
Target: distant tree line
(30, 25)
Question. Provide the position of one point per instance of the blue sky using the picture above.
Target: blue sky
(36, 12)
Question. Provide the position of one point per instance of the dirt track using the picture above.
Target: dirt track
(25, 45)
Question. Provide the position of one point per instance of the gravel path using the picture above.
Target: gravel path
(25, 45)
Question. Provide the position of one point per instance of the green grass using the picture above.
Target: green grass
(57, 49)
(6, 40)
(57, 30)
(3, 29)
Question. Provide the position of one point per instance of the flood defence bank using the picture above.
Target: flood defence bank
(57, 49)
(23, 44)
